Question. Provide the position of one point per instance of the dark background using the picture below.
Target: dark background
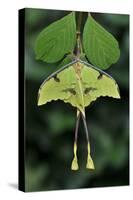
(50, 128)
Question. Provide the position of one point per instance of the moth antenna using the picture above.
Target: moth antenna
(89, 164)
(74, 165)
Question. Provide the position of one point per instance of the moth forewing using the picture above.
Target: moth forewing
(53, 75)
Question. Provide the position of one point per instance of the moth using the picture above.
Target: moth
(78, 83)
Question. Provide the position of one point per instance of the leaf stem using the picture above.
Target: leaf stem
(79, 45)
(89, 14)
(79, 21)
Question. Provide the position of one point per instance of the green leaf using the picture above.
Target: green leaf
(56, 40)
(100, 46)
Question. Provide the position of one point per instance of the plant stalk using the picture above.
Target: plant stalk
(79, 21)
(79, 45)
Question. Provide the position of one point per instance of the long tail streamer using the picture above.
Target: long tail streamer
(74, 165)
(89, 164)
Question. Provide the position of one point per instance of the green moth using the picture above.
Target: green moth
(78, 83)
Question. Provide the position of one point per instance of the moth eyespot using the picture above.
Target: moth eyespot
(87, 90)
(71, 90)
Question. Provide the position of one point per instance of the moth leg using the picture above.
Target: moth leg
(89, 164)
(74, 165)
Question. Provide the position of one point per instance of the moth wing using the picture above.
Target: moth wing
(60, 86)
(96, 84)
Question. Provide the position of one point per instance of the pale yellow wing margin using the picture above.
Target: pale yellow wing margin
(96, 84)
